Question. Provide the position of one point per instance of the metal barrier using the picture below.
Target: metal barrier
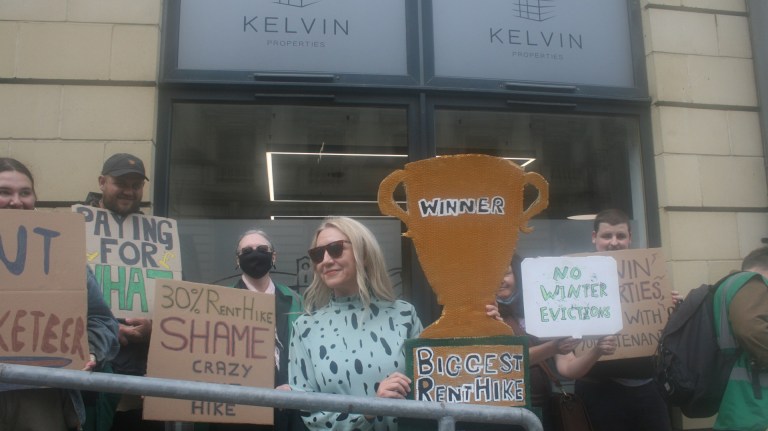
(445, 414)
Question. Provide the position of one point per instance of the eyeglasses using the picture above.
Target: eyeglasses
(334, 249)
(259, 248)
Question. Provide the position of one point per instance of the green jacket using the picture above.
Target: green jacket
(745, 401)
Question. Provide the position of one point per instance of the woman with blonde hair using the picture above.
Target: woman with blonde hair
(350, 339)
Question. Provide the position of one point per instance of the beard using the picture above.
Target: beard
(120, 206)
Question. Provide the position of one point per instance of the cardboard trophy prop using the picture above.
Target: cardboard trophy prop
(463, 214)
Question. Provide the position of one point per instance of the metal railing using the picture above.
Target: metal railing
(445, 414)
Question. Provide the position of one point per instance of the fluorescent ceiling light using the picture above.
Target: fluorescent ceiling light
(270, 171)
(526, 160)
(521, 161)
(275, 217)
(582, 217)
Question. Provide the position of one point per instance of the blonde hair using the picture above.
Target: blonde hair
(372, 277)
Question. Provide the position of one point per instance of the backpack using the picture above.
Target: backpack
(690, 368)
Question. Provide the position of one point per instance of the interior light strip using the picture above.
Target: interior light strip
(270, 177)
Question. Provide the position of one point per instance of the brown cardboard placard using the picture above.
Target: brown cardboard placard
(646, 302)
(43, 312)
(127, 254)
(211, 334)
(472, 370)
(468, 370)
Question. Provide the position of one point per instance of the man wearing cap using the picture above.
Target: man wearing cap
(122, 186)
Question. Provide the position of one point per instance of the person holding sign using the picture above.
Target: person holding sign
(50, 409)
(509, 298)
(122, 187)
(350, 339)
(614, 403)
(255, 256)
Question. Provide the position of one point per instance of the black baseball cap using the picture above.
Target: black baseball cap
(123, 163)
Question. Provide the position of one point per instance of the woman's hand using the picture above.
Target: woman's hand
(566, 345)
(91, 364)
(607, 345)
(677, 298)
(492, 311)
(135, 330)
(396, 385)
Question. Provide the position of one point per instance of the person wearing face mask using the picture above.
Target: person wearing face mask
(255, 257)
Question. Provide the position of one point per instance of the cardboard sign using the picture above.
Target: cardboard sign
(646, 302)
(42, 285)
(211, 334)
(489, 371)
(571, 296)
(127, 254)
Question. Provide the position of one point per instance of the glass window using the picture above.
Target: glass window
(263, 162)
(280, 168)
(591, 163)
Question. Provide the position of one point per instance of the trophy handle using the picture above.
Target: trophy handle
(387, 203)
(541, 202)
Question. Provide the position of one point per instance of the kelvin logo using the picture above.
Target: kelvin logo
(534, 10)
(297, 3)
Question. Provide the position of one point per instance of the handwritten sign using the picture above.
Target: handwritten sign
(489, 370)
(127, 254)
(211, 334)
(42, 286)
(646, 302)
(571, 296)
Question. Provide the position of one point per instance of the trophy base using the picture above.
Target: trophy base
(465, 326)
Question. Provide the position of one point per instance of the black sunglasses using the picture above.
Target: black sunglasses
(334, 249)
(260, 248)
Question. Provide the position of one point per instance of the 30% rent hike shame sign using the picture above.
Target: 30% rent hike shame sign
(211, 334)
(571, 296)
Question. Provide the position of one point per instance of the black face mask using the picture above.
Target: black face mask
(254, 262)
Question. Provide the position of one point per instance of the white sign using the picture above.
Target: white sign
(127, 254)
(571, 296)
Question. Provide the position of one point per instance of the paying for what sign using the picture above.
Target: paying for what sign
(646, 302)
(127, 254)
(42, 289)
(571, 296)
(211, 334)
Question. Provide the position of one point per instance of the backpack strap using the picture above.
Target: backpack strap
(727, 288)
